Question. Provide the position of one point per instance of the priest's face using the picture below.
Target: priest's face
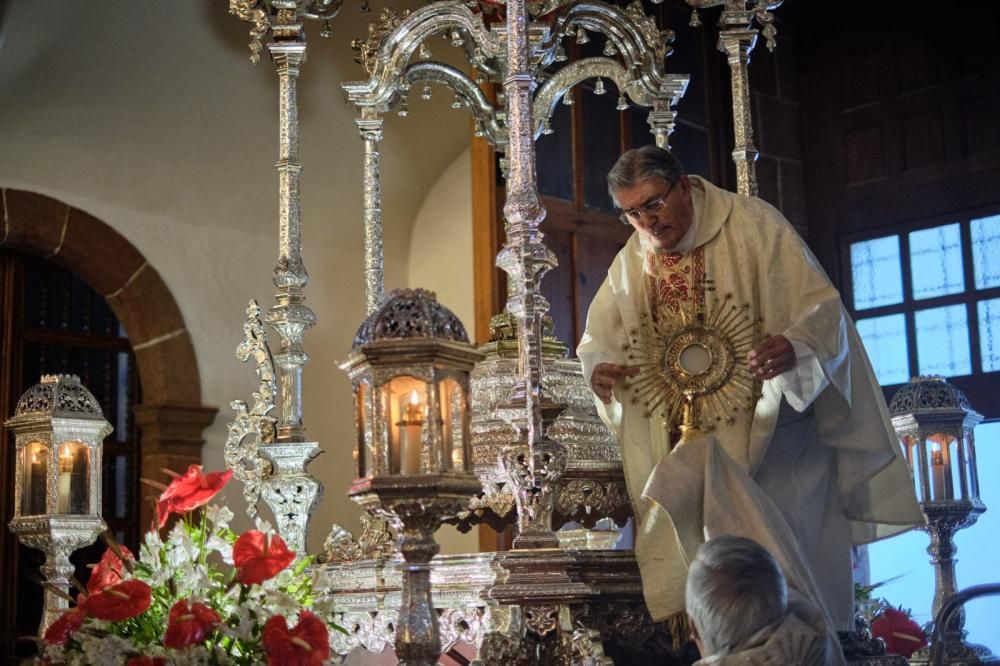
(659, 210)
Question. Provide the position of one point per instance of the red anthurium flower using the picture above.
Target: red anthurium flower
(64, 627)
(901, 634)
(189, 624)
(119, 602)
(108, 570)
(189, 491)
(305, 644)
(258, 559)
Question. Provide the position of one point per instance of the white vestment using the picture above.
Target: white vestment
(799, 638)
(834, 468)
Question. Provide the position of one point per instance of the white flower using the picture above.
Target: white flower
(192, 580)
(264, 526)
(149, 552)
(182, 551)
(219, 516)
(279, 603)
(281, 580)
(246, 625)
(323, 607)
(54, 653)
(196, 655)
(178, 557)
(221, 546)
(107, 650)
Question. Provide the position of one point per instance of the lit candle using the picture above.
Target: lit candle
(66, 460)
(937, 473)
(410, 435)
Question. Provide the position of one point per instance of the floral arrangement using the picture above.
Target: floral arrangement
(894, 625)
(202, 596)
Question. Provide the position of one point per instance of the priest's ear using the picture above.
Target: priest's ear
(685, 184)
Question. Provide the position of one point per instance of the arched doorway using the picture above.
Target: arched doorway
(169, 419)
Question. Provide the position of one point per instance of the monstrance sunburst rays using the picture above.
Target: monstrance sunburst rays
(697, 359)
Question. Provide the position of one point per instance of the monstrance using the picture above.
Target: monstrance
(693, 368)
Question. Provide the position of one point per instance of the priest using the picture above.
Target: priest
(818, 442)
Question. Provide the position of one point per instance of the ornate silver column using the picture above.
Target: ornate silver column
(737, 45)
(290, 317)
(661, 121)
(737, 38)
(525, 258)
(370, 127)
(270, 454)
(290, 491)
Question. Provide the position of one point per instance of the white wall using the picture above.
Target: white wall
(440, 256)
(441, 260)
(149, 116)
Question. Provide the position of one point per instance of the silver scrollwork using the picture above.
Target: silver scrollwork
(252, 426)
(376, 542)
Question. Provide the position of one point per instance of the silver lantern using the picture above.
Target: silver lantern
(59, 431)
(410, 369)
(934, 422)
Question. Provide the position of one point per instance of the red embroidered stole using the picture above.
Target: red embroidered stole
(674, 280)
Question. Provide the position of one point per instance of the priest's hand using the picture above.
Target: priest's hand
(772, 357)
(606, 376)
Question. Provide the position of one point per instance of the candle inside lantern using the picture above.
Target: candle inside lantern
(937, 473)
(410, 435)
(66, 459)
(73, 461)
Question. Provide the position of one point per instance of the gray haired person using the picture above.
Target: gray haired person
(741, 613)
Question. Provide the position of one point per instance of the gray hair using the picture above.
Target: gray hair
(639, 164)
(734, 589)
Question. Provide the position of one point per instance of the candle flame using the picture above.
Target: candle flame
(65, 452)
(414, 398)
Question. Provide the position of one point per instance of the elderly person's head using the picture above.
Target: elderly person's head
(649, 186)
(735, 588)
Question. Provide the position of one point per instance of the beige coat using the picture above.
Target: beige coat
(753, 253)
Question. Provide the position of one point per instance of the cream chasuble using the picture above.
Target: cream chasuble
(751, 254)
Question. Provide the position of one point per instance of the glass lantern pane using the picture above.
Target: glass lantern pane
(958, 484)
(407, 398)
(986, 251)
(885, 342)
(453, 416)
(363, 427)
(936, 261)
(943, 341)
(34, 465)
(911, 452)
(74, 478)
(971, 464)
(989, 333)
(876, 272)
(937, 463)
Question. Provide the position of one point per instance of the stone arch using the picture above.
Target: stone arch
(171, 417)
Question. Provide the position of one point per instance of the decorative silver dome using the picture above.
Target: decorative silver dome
(927, 392)
(411, 313)
(58, 394)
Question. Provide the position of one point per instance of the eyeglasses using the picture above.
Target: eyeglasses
(633, 215)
